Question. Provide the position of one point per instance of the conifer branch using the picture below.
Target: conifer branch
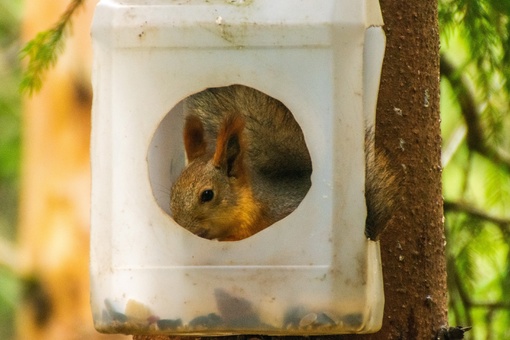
(43, 51)
(452, 206)
(476, 139)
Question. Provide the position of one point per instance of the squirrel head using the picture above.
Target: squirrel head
(212, 198)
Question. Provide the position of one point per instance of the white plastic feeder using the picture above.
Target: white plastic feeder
(314, 272)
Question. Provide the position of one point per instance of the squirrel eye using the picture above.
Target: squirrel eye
(206, 195)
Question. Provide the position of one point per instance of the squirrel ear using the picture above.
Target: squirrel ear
(230, 146)
(194, 142)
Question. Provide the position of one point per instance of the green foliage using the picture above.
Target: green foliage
(475, 119)
(8, 21)
(485, 26)
(10, 108)
(43, 51)
(9, 297)
(10, 122)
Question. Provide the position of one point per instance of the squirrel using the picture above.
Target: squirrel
(248, 166)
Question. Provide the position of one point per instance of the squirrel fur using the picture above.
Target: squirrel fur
(248, 167)
(248, 164)
(382, 184)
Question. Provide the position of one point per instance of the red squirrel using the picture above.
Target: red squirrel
(248, 166)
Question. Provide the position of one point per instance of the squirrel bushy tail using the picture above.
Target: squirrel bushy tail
(382, 184)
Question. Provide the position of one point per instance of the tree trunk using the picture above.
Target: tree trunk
(55, 187)
(408, 127)
(413, 246)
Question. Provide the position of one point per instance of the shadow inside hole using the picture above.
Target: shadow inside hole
(166, 157)
(248, 163)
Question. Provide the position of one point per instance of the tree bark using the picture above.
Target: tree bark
(408, 128)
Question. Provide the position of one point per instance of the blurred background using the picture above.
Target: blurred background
(45, 176)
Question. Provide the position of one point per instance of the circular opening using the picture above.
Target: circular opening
(228, 162)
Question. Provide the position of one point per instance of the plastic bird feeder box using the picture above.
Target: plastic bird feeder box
(313, 272)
